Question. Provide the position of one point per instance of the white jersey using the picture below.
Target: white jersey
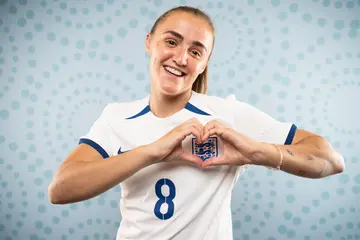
(173, 201)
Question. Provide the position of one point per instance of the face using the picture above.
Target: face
(179, 51)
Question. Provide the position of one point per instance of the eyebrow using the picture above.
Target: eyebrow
(178, 35)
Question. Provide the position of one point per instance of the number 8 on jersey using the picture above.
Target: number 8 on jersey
(164, 199)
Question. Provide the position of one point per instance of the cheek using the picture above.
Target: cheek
(161, 51)
(160, 55)
(197, 68)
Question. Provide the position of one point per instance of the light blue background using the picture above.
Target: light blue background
(61, 62)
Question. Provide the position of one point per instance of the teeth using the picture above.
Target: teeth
(173, 71)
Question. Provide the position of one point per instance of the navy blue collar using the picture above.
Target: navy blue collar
(188, 106)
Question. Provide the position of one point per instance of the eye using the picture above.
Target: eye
(170, 42)
(196, 53)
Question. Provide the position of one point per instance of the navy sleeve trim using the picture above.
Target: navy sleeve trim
(291, 135)
(96, 146)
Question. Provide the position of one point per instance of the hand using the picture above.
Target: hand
(169, 147)
(238, 148)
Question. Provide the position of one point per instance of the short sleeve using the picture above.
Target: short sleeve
(100, 136)
(259, 125)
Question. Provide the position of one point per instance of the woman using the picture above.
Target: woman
(178, 152)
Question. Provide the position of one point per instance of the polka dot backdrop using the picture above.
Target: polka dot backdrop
(61, 62)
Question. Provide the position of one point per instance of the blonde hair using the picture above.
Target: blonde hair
(201, 83)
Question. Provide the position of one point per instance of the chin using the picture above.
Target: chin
(170, 89)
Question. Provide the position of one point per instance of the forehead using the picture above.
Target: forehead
(192, 28)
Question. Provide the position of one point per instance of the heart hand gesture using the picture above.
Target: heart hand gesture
(238, 148)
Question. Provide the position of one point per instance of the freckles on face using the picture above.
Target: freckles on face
(192, 31)
(184, 42)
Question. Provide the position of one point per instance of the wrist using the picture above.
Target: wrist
(150, 152)
(267, 155)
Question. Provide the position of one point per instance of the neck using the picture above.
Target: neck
(164, 106)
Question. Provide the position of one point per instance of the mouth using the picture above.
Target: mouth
(173, 71)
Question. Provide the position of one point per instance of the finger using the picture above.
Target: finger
(200, 127)
(193, 121)
(214, 129)
(189, 120)
(215, 161)
(211, 125)
(225, 133)
(192, 158)
(207, 127)
(187, 130)
(206, 135)
(195, 129)
(197, 133)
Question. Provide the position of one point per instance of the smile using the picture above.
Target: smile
(174, 71)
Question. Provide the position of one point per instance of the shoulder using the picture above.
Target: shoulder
(216, 104)
(122, 110)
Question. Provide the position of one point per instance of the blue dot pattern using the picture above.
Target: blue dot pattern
(62, 62)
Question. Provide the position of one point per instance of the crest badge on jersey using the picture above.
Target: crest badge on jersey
(207, 149)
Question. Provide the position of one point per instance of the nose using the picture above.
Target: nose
(180, 57)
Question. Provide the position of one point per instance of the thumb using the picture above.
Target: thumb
(192, 158)
(215, 161)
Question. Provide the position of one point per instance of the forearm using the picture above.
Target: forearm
(78, 181)
(312, 157)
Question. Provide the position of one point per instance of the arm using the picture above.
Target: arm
(85, 174)
(309, 156)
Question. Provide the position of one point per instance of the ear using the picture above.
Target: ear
(147, 43)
